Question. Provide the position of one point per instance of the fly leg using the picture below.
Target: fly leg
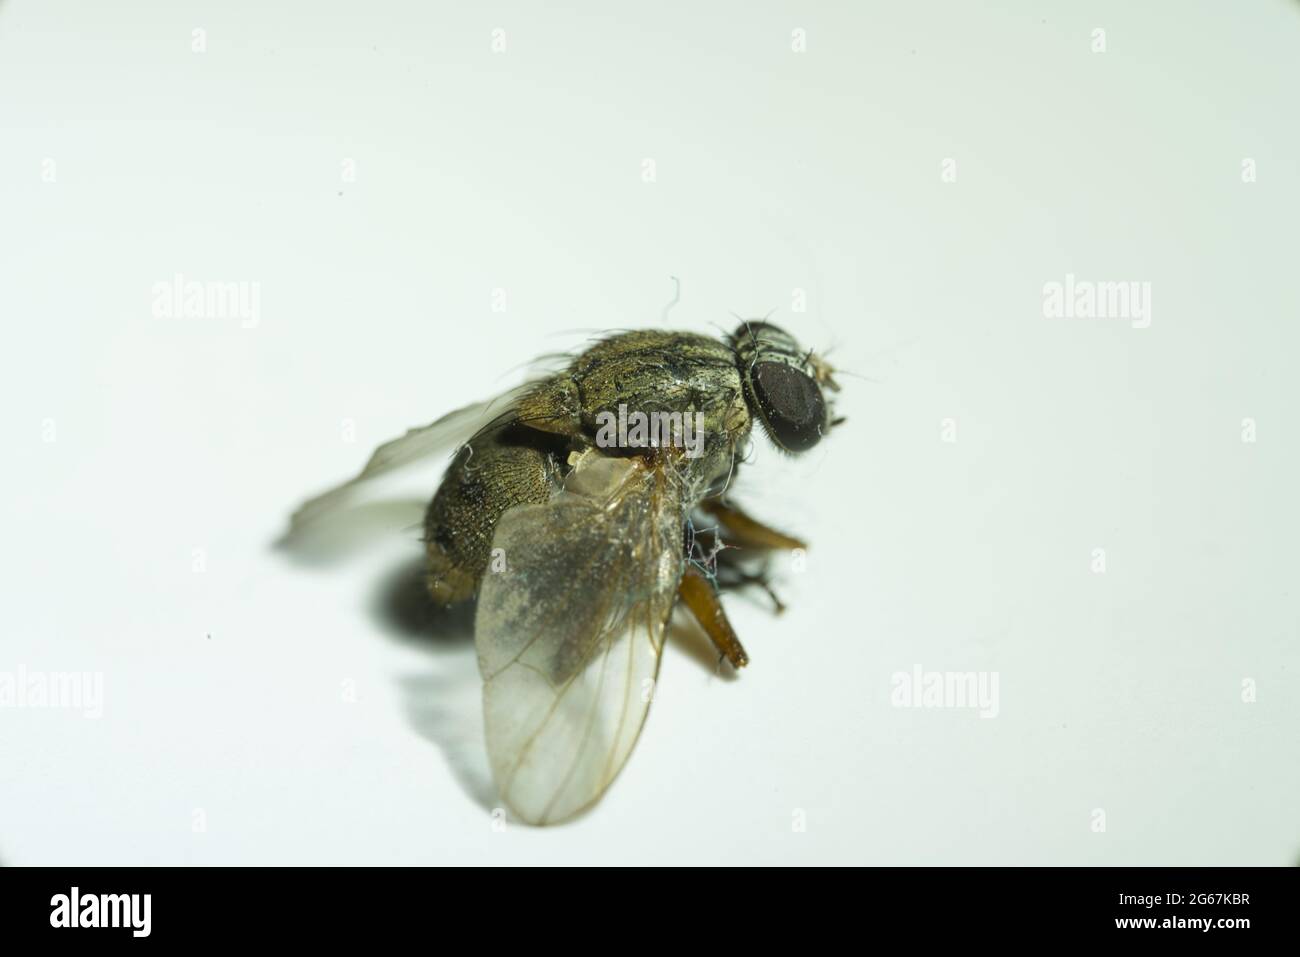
(701, 597)
(739, 579)
(747, 532)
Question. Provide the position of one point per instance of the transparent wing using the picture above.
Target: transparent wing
(449, 432)
(569, 633)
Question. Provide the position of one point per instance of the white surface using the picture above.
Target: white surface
(775, 171)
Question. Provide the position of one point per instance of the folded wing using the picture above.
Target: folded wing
(448, 433)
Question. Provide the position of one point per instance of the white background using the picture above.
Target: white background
(131, 441)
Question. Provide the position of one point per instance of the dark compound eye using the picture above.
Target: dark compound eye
(790, 404)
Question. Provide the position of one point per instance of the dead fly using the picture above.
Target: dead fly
(578, 538)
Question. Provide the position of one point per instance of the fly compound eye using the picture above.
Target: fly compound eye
(789, 403)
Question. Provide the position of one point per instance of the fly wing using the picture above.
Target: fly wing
(569, 632)
(449, 432)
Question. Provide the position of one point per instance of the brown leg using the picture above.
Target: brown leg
(748, 532)
(702, 599)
